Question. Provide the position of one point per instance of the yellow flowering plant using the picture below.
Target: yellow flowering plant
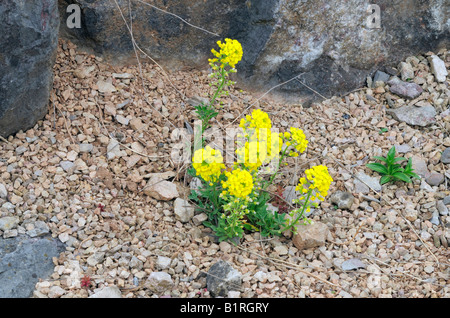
(236, 197)
(222, 65)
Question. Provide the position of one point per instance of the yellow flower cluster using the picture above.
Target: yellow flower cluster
(230, 53)
(262, 144)
(297, 139)
(317, 179)
(258, 119)
(239, 183)
(208, 163)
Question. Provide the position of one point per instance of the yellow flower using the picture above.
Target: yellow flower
(239, 183)
(317, 179)
(208, 163)
(298, 139)
(230, 53)
(257, 120)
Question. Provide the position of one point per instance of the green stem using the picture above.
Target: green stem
(292, 224)
(283, 155)
(219, 88)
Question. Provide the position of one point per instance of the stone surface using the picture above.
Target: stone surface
(364, 183)
(23, 261)
(310, 235)
(445, 158)
(352, 264)
(343, 200)
(412, 115)
(107, 292)
(28, 44)
(183, 210)
(406, 71)
(435, 179)
(8, 223)
(404, 89)
(222, 278)
(159, 282)
(281, 39)
(380, 77)
(161, 189)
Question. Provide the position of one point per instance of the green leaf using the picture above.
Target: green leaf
(380, 158)
(385, 179)
(411, 174)
(399, 159)
(391, 154)
(401, 176)
(378, 167)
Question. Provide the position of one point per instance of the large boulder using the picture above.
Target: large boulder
(28, 43)
(332, 43)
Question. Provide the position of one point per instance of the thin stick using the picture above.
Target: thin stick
(67, 127)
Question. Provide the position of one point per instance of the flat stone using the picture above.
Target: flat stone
(445, 157)
(310, 235)
(105, 87)
(107, 292)
(420, 166)
(352, 264)
(96, 258)
(161, 189)
(363, 183)
(66, 165)
(23, 261)
(84, 147)
(20, 150)
(405, 90)
(435, 179)
(404, 148)
(412, 115)
(122, 120)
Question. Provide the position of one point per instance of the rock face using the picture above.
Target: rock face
(28, 44)
(332, 43)
(23, 261)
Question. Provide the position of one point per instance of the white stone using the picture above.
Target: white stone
(183, 210)
(438, 68)
(107, 292)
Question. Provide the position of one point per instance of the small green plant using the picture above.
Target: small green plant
(383, 130)
(391, 170)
